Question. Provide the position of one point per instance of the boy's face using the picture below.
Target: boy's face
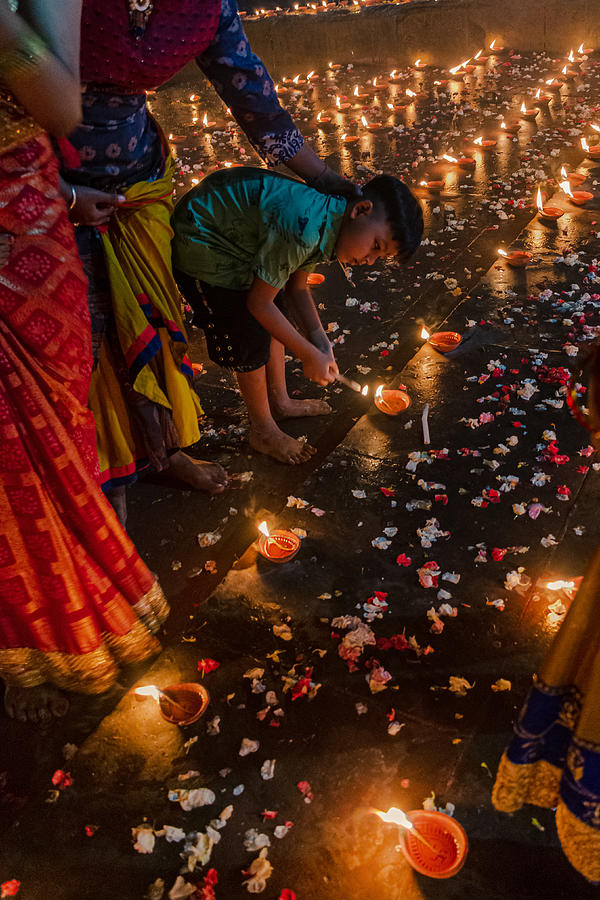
(365, 236)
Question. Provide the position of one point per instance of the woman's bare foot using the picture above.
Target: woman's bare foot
(276, 443)
(199, 474)
(6, 244)
(295, 409)
(36, 704)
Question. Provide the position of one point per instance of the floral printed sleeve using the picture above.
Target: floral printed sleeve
(242, 81)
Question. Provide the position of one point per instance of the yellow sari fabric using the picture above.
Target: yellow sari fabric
(149, 327)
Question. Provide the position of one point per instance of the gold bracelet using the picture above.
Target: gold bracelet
(23, 59)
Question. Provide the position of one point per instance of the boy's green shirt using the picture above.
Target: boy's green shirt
(244, 222)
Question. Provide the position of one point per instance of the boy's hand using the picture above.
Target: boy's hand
(320, 367)
(319, 339)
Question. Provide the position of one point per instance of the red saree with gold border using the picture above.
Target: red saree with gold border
(75, 598)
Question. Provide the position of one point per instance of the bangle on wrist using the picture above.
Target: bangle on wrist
(73, 199)
(22, 59)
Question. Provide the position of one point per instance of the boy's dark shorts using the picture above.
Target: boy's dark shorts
(234, 338)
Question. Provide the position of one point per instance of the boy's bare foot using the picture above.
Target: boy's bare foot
(276, 443)
(199, 474)
(296, 409)
(36, 704)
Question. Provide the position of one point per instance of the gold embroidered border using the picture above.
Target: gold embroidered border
(580, 843)
(517, 784)
(94, 672)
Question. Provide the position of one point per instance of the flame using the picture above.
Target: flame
(296, 79)
(523, 107)
(478, 54)
(580, 48)
(563, 172)
(337, 102)
(205, 120)
(319, 117)
(423, 184)
(564, 71)
(393, 73)
(374, 82)
(538, 200)
(390, 106)
(365, 390)
(410, 93)
(276, 87)
(502, 124)
(424, 334)
(571, 56)
(451, 159)
(478, 141)
(560, 585)
(148, 690)
(538, 94)
(355, 91)
(395, 816)
(502, 252)
(566, 187)
(264, 529)
(455, 69)
(194, 97)
(418, 61)
(493, 44)
(379, 392)
(584, 145)
(310, 75)
(595, 127)
(330, 64)
(344, 136)
(364, 121)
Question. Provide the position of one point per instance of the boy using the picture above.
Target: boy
(241, 237)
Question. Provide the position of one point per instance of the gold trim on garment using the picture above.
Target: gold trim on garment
(580, 843)
(520, 783)
(96, 671)
(16, 127)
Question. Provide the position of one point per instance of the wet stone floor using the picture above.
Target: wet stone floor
(502, 501)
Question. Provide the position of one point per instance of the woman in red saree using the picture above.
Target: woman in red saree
(75, 598)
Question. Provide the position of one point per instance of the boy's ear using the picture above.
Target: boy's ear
(361, 208)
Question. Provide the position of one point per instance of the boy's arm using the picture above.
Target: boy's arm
(304, 307)
(317, 365)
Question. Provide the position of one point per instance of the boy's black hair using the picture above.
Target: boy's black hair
(402, 210)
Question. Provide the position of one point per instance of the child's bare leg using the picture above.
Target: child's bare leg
(265, 435)
(282, 405)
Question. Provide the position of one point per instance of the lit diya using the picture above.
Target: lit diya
(569, 74)
(480, 60)
(529, 113)
(574, 178)
(547, 213)
(510, 127)
(206, 124)
(323, 119)
(314, 278)
(554, 84)
(590, 152)
(371, 126)
(442, 341)
(496, 49)
(433, 843)
(543, 99)
(180, 704)
(579, 198)
(349, 138)
(277, 546)
(484, 144)
(359, 95)
(339, 105)
(399, 106)
(391, 401)
(518, 259)
(396, 76)
(584, 52)
(418, 64)
(434, 187)
(464, 162)
(334, 66)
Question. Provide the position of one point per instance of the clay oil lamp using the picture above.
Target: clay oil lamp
(579, 198)
(457, 72)
(547, 213)
(496, 50)
(206, 125)
(334, 67)
(297, 80)
(315, 278)
(590, 152)
(510, 127)
(554, 84)
(396, 76)
(517, 259)
(399, 106)
(193, 98)
(277, 546)
(468, 68)
(180, 704)
(569, 74)
(340, 105)
(442, 341)
(583, 52)
(391, 401)
(542, 99)
(418, 64)
(412, 95)
(463, 162)
(349, 138)
(480, 60)
(377, 85)
(323, 119)
(358, 94)
(371, 126)
(442, 83)
(311, 76)
(433, 843)
(281, 89)
(574, 178)
(528, 113)
(434, 187)
(484, 145)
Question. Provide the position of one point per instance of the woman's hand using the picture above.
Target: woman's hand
(320, 367)
(329, 182)
(94, 207)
